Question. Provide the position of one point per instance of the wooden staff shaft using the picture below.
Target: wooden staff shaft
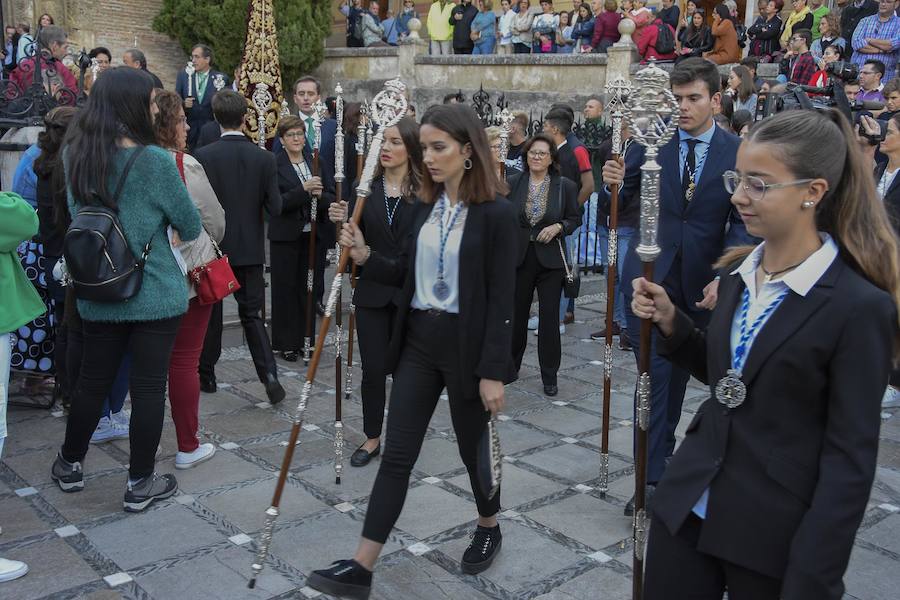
(640, 467)
(611, 272)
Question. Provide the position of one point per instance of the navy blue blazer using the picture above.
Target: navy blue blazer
(201, 113)
(700, 231)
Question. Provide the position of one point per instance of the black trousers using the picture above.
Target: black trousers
(289, 272)
(520, 48)
(676, 569)
(325, 240)
(428, 363)
(374, 327)
(250, 298)
(549, 283)
(150, 344)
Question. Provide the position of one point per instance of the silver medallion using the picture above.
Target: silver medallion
(730, 390)
(441, 290)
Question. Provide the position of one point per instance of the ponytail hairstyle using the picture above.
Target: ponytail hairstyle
(819, 144)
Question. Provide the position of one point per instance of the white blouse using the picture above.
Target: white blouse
(428, 249)
(884, 184)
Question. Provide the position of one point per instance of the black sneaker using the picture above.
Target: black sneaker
(482, 550)
(69, 476)
(139, 495)
(344, 578)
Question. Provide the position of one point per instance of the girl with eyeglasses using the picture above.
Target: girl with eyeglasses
(548, 211)
(797, 356)
(453, 331)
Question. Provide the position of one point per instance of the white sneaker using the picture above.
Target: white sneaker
(122, 418)
(562, 329)
(109, 430)
(12, 569)
(891, 397)
(186, 460)
(533, 323)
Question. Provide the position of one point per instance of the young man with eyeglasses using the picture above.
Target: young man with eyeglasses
(878, 38)
(696, 223)
(798, 64)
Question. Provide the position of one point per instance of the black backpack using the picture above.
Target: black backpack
(665, 41)
(99, 262)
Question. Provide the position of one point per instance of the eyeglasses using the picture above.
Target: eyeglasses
(753, 186)
(294, 134)
(496, 147)
(538, 154)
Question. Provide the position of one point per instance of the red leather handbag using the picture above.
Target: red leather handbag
(215, 280)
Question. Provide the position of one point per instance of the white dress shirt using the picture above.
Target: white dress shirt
(428, 249)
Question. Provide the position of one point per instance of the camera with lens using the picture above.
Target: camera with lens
(843, 70)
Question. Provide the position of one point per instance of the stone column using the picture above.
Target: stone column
(410, 47)
(622, 54)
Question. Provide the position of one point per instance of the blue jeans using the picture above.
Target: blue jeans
(624, 236)
(485, 46)
(590, 232)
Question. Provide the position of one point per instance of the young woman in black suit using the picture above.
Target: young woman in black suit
(765, 494)
(453, 330)
(289, 239)
(386, 223)
(548, 211)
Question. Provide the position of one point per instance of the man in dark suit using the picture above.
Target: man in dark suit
(244, 179)
(198, 93)
(696, 223)
(136, 59)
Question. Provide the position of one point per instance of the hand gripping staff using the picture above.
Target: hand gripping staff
(651, 112)
(338, 326)
(617, 90)
(388, 107)
(360, 153)
(318, 116)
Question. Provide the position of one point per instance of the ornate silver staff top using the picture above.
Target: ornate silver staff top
(361, 128)
(285, 109)
(189, 69)
(617, 91)
(651, 112)
(262, 99)
(387, 108)
(339, 134)
(95, 68)
(318, 117)
(506, 119)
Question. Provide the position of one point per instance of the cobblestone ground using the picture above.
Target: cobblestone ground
(563, 541)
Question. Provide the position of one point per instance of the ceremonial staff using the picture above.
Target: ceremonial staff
(339, 331)
(189, 69)
(617, 91)
(506, 118)
(360, 153)
(652, 115)
(388, 107)
(318, 115)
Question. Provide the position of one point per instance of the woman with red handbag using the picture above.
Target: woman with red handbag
(171, 129)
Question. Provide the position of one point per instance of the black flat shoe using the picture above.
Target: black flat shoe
(361, 457)
(344, 578)
(482, 550)
(550, 390)
(274, 390)
(208, 386)
(290, 355)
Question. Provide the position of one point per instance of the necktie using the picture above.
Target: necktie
(310, 133)
(690, 167)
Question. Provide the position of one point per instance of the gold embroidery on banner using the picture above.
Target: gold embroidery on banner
(260, 64)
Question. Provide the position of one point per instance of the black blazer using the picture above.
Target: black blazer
(296, 205)
(201, 113)
(891, 196)
(562, 207)
(209, 133)
(487, 276)
(790, 470)
(244, 179)
(384, 240)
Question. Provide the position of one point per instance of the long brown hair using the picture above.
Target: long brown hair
(816, 144)
(165, 121)
(480, 183)
(49, 161)
(409, 133)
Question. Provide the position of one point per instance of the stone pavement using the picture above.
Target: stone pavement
(563, 541)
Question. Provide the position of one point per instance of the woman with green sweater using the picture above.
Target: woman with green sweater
(19, 305)
(114, 125)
